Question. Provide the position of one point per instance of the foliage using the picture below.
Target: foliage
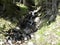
(14, 13)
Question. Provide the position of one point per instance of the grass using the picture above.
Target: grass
(49, 33)
(24, 9)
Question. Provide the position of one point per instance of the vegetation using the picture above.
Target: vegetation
(24, 18)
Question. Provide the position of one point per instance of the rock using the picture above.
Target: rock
(18, 28)
(30, 43)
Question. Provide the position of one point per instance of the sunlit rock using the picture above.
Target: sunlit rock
(59, 10)
(10, 42)
(9, 23)
(18, 28)
(1, 42)
(26, 41)
(1, 25)
(30, 43)
(32, 35)
(37, 19)
(25, 38)
(39, 14)
(19, 42)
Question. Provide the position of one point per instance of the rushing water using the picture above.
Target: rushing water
(23, 33)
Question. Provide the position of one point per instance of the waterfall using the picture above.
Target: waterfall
(25, 29)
